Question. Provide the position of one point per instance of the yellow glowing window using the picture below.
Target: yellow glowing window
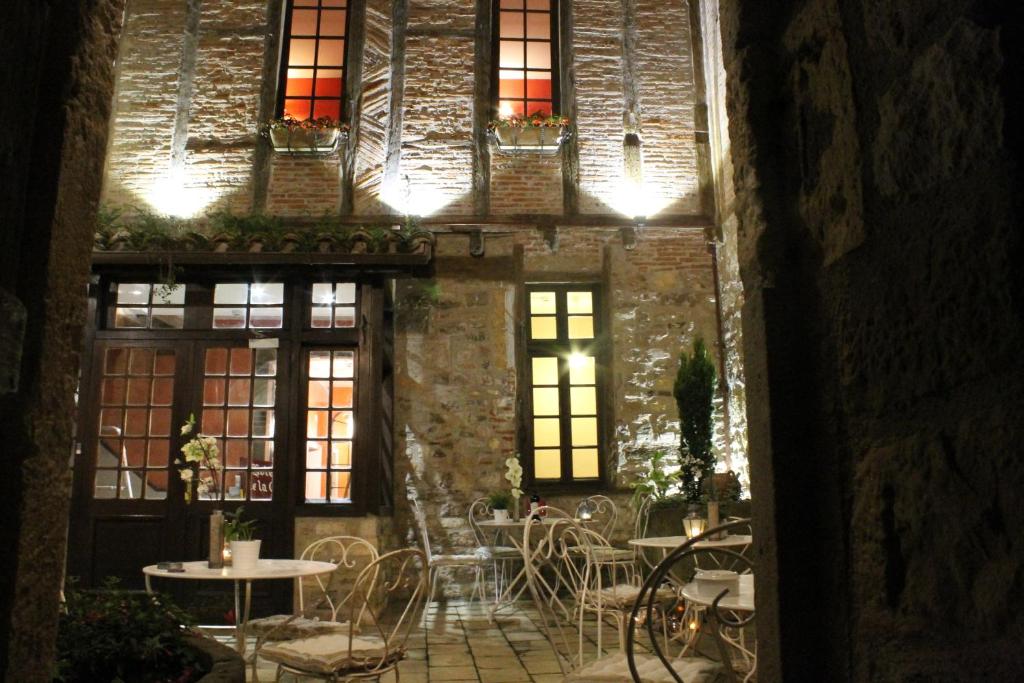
(313, 81)
(526, 51)
(330, 425)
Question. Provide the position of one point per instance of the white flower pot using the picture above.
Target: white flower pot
(245, 554)
(500, 515)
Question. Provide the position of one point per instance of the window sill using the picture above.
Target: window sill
(540, 140)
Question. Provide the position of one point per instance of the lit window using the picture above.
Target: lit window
(238, 305)
(149, 306)
(564, 415)
(330, 425)
(333, 304)
(314, 59)
(527, 57)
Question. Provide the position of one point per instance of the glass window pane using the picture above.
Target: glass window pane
(267, 293)
(323, 293)
(508, 108)
(584, 463)
(511, 4)
(106, 484)
(303, 22)
(266, 362)
(241, 361)
(511, 55)
(169, 294)
(511, 24)
(341, 394)
(159, 453)
(216, 362)
(341, 454)
(168, 318)
(131, 317)
(163, 362)
(538, 25)
(238, 422)
(319, 363)
(538, 87)
(542, 303)
(160, 422)
(511, 83)
(300, 52)
(344, 363)
(345, 293)
(115, 362)
(545, 432)
(316, 487)
(156, 485)
(228, 318)
(298, 109)
(231, 293)
(212, 423)
(545, 401)
(138, 391)
(340, 486)
(134, 453)
(261, 485)
(583, 401)
(547, 464)
(113, 392)
(538, 4)
(584, 431)
(266, 317)
(331, 53)
(238, 392)
(135, 421)
(332, 23)
(236, 485)
(581, 369)
(342, 424)
(318, 393)
(131, 485)
(263, 423)
(316, 455)
(579, 302)
(538, 55)
(545, 371)
(329, 108)
(320, 316)
(110, 422)
(344, 316)
(543, 327)
(140, 362)
(581, 327)
(264, 392)
(163, 391)
(262, 453)
(316, 424)
(236, 453)
(133, 294)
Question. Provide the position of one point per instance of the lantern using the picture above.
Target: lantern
(693, 525)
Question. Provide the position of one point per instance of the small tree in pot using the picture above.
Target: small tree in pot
(694, 391)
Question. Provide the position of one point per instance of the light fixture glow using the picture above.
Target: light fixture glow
(577, 360)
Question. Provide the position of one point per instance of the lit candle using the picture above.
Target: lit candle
(693, 525)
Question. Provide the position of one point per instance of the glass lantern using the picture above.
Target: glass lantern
(586, 511)
(694, 525)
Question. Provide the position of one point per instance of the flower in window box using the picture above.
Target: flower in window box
(534, 133)
(317, 136)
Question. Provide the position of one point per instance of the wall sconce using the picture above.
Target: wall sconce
(693, 525)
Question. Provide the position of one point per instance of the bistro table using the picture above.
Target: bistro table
(667, 543)
(264, 569)
(742, 602)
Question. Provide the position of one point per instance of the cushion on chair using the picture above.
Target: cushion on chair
(454, 560)
(498, 552)
(624, 595)
(607, 554)
(300, 627)
(615, 669)
(329, 653)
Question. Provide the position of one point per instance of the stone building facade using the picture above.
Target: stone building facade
(195, 80)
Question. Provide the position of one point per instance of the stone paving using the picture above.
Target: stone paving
(458, 643)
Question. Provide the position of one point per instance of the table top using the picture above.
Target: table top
(669, 542)
(520, 523)
(744, 602)
(264, 569)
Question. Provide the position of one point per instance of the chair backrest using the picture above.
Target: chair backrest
(548, 543)
(391, 590)
(350, 555)
(679, 568)
(643, 517)
(421, 525)
(479, 509)
(604, 514)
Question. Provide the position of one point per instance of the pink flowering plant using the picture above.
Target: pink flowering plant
(535, 120)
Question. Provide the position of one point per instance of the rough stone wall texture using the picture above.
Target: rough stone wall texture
(526, 183)
(58, 85)
(456, 385)
(878, 207)
(301, 186)
(372, 140)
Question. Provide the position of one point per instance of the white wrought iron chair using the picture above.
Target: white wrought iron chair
(726, 625)
(580, 659)
(474, 560)
(325, 595)
(503, 558)
(390, 591)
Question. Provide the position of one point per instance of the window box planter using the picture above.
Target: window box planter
(290, 136)
(537, 135)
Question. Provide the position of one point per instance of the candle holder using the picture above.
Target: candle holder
(694, 525)
(586, 511)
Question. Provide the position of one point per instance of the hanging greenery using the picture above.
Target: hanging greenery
(694, 390)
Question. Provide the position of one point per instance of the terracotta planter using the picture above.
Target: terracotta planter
(297, 140)
(536, 139)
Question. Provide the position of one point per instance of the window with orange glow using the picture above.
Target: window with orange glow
(313, 78)
(526, 56)
(330, 425)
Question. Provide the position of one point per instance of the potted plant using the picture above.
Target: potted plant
(499, 502)
(289, 135)
(694, 391)
(537, 132)
(245, 551)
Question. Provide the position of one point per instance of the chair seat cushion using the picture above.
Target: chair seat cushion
(300, 627)
(329, 653)
(453, 560)
(499, 552)
(615, 669)
(624, 595)
(606, 554)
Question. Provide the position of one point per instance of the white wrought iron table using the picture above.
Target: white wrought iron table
(264, 569)
(742, 601)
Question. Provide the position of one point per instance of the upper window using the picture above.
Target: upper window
(527, 57)
(564, 415)
(144, 305)
(314, 59)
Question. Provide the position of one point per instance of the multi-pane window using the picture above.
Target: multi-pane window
(314, 58)
(527, 57)
(238, 305)
(133, 451)
(148, 306)
(333, 304)
(239, 395)
(330, 425)
(564, 416)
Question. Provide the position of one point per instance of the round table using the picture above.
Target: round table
(264, 569)
(666, 543)
(742, 601)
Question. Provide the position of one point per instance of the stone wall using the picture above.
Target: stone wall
(878, 211)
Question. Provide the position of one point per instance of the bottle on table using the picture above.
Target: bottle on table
(534, 504)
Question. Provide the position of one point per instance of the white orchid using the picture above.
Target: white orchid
(514, 475)
(199, 452)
